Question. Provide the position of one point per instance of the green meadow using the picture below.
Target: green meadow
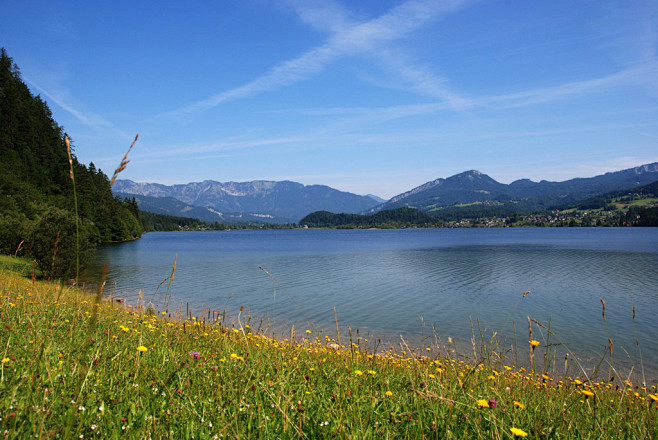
(77, 365)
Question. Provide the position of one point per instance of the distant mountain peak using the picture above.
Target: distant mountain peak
(474, 187)
(376, 198)
(284, 201)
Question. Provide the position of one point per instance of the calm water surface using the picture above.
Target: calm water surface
(388, 283)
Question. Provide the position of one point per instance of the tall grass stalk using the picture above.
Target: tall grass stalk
(124, 161)
(150, 376)
(75, 205)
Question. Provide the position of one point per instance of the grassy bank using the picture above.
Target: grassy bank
(75, 367)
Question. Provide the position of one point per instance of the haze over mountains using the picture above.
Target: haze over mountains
(476, 188)
(264, 201)
(288, 202)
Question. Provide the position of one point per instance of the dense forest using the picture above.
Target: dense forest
(152, 222)
(37, 204)
(394, 218)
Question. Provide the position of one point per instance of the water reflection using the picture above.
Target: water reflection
(385, 282)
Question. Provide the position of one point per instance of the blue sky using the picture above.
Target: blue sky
(371, 96)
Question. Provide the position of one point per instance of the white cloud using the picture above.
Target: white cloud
(367, 38)
(646, 74)
(66, 102)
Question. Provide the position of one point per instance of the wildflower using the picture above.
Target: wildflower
(358, 372)
(534, 343)
(519, 404)
(651, 396)
(195, 354)
(587, 392)
(518, 432)
(142, 348)
(483, 403)
(492, 403)
(372, 372)
(5, 360)
(308, 331)
(389, 393)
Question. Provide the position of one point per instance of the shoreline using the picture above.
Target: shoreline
(107, 370)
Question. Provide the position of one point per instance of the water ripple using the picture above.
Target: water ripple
(384, 282)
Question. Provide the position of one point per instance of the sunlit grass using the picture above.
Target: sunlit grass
(72, 367)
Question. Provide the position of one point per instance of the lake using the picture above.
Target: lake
(415, 284)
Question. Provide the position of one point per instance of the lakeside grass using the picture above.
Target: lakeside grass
(73, 366)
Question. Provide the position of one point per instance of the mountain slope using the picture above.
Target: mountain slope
(264, 200)
(475, 188)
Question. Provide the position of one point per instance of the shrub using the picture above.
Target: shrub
(53, 243)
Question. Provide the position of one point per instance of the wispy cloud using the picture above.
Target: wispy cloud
(347, 39)
(645, 74)
(64, 100)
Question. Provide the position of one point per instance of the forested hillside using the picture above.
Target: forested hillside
(36, 191)
(394, 218)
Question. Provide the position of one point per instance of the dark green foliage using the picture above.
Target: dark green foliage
(639, 216)
(35, 181)
(159, 222)
(394, 218)
(53, 243)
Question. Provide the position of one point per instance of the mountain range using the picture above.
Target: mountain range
(261, 201)
(288, 202)
(473, 188)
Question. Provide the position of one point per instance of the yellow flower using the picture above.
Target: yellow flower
(652, 396)
(358, 373)
(483, 403)
(308, 331)
(534, 343)
(5, 360)
(142, 348)
(389, 393)
(519, 404)
(587, 392)
(372, 372)
(431, 376)
(518, 432)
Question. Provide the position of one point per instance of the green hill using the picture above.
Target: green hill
(36, 192)
(394, 218)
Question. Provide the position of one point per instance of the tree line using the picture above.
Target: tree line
(37, 207)
(393, 218)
